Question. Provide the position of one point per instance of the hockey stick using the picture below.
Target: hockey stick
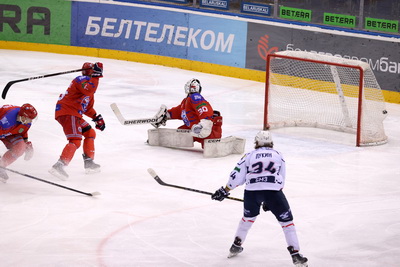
(8, 85)
(123, 121)
(45, 181)
(161, 182)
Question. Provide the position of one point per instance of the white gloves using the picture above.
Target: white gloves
(202, 129)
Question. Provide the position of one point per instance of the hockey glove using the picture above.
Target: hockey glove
(220, 194)
(28, 150)
(161, 117)
(100, 124)
(97, 70)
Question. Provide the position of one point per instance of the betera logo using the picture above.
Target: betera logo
(35, 16)
(263, 47)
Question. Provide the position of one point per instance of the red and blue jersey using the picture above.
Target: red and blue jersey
(192, 109)
(79, 98)
(9, 125)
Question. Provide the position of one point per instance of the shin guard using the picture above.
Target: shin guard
(244, 226)
(290, 234)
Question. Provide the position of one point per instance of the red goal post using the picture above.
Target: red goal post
(312, 90)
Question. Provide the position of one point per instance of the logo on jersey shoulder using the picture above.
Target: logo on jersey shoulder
(4, 121)
(196, 97)
(20, 130)
(79, 79)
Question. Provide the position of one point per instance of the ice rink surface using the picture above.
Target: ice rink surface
(345, 200)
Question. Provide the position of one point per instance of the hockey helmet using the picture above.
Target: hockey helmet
(87, 69)
(263, 138)
(27, 113)
(193, 86)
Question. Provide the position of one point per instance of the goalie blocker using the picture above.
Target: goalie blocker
(181, 138)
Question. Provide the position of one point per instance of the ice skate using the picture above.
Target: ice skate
(3, 175)
(58, 170)
(298, 259)
(236, 248)
(90, 166)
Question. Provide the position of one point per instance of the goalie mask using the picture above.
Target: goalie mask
(193, 86)
(263, 138)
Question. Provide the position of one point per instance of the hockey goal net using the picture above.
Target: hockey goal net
(313, 90)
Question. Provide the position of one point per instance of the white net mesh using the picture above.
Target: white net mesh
(318, 93)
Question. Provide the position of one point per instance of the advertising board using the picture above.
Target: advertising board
(382, 55)
(39, 21)
(159, 32)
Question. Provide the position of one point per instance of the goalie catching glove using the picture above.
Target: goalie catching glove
(220, 194)
(202, 129)
(161, 117)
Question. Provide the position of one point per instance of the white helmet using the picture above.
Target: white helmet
(193, 86)
(263, 138)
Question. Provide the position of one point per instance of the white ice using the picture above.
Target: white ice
(346, 200)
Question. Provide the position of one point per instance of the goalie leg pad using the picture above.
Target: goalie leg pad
(214, 148)
(170, 137)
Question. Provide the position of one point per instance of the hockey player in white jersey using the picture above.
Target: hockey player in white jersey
(263, 173)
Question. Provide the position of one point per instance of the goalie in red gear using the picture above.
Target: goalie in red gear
(77, 101)
(196, 114)
(15, 123)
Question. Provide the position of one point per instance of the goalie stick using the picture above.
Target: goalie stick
(8, 85)
(45, 181)
(123, 121)
(161, 182)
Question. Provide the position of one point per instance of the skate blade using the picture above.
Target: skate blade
(231, 255)
(92, 171)
(302, 264)
(58, 175)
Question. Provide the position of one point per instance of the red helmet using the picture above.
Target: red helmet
(88, 69)
(28, 112)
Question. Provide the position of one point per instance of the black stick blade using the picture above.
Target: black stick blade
(5, 90)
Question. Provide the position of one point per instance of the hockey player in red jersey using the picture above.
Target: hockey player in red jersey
(77, 101)
(15, 123)
(263, 172)
(196, 114)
